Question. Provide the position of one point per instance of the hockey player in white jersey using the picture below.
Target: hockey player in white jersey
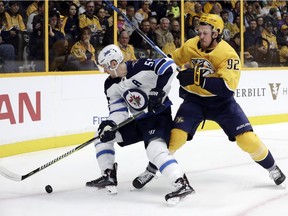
(132, 87)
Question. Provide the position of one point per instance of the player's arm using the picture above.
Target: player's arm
(165, 70)
(118, 110)
(183, 54)
(227, 79)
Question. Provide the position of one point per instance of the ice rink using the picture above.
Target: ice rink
(227, 182)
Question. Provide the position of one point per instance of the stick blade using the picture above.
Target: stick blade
(10, 175)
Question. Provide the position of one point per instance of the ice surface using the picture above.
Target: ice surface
(227, 182)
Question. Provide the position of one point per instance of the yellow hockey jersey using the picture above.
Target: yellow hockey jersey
(223, 61)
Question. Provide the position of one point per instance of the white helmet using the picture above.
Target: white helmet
(110, 53)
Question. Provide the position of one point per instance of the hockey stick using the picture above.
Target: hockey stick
(150, 42)
(15, 177)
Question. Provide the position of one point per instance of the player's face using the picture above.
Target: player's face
(110, 69)
(205, 34)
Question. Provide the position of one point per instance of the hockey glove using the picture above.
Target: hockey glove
(200, 75)
(104, 131)
(156, 96)
(186, 77)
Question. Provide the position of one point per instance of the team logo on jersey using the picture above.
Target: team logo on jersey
(203, 65)
(136, 99)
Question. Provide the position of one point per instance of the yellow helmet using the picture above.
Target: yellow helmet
(214, 20)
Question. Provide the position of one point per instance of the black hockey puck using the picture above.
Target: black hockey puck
(49, 189)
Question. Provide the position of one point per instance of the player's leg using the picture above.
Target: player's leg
(143, 178)
(237, 127)
(250, 143)
(156, 132)
(105, 155)
(182, 131)
(187, 119)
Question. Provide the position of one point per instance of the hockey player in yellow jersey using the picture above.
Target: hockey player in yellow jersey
(208, 91)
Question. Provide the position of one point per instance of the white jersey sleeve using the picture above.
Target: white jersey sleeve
(130, 94)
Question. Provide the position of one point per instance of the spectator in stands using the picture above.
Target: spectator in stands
(236, 10)
(198, 11)
(260, 23)
(209, 5)
(272, 17)
(158, 9)
(130, 13)
(176, 32)
(32, 8)
(252, 45)
(258, 9)
(235, 42)
(53, 32)
(18, 27)
(268, 12)
(228, 6)
(192, 30)
(7, 56)
(137, 40)
(163, 33)
(284, 56)
(37, 41)
(174, 9)
(58, 55)
(83, 50)
(282, 36)
(71, 23)
(152, 34)
(189, 7)
(122, 5)
(120, 24)
(143, 12)
(81, 7)
(101, 14)
(249, 14)
(235, 28)
(228, 26)
(153, 23)
(88, 19)
(32, 13)
(5, 25)
(270, 44)
(216, 9)
(126, 48)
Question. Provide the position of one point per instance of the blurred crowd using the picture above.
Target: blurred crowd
(78, 30)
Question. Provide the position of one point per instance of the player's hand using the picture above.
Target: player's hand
(200, 75)
(104, 131)
(156, 96)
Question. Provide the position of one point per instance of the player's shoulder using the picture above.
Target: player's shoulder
(109, 82)
(138, 66)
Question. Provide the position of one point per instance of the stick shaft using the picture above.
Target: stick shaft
(15, 177)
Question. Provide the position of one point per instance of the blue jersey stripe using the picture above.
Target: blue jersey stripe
(164, 66)
(125, 109)
(166, 164)
(106, 151)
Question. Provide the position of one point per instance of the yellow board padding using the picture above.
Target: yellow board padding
(77, 139)
(43, 144)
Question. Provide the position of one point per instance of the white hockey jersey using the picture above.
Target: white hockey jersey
(130, 94)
